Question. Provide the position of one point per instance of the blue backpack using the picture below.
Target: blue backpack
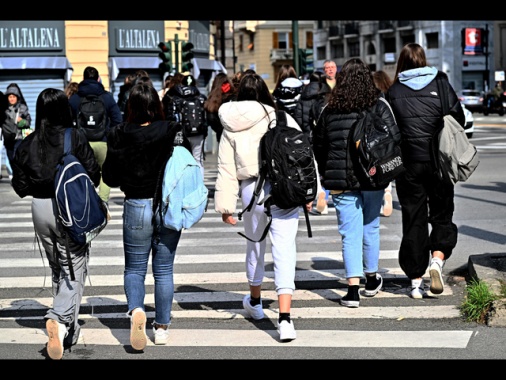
(82, 214)
(184, 194)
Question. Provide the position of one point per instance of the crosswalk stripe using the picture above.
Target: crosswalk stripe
(181, 298)
(183, 258)
(202, 278)
(258, 338)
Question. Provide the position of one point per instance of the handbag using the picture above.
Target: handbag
(456, 158)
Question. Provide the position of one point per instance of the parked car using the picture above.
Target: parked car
(472, 99)
(469, 127)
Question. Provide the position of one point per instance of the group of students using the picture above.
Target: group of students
(240, 110)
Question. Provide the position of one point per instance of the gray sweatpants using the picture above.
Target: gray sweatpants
(67, 294)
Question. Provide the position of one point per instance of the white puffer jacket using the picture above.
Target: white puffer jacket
(244, 124)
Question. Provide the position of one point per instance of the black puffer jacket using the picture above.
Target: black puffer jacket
(418, 115)
(331, 149)
(136, 155)
(32, 176)
(310, 104)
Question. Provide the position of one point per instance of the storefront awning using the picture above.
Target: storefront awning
(21, 63)
(117, 63)
(206, 64)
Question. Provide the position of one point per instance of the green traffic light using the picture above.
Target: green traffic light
(166, 56)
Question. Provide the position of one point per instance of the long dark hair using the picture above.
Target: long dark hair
(144, 105)
(221, 90)
(53, 109)
(355, 89)
(253, 87)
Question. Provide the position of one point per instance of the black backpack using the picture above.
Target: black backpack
(193, 116)
(376, 156)
(286, 157)
(92, 117)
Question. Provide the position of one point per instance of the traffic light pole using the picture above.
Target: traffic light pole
(176, 50)
(295, 34)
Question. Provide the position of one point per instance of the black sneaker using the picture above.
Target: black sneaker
(352, 298)
(373, 285)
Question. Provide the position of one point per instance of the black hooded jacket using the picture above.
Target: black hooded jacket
(310, 104)
(32, 176)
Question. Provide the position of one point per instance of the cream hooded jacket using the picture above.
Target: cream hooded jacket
(244, 124)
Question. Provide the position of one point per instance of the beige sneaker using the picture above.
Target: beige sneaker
(387, 204)
(321, 204)
(138, 338)
(56, 332)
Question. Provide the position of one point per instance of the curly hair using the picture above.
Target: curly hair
(355, 89)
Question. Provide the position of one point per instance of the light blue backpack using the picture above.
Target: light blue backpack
(184, 194)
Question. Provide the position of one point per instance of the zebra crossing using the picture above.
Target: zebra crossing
(210, 283)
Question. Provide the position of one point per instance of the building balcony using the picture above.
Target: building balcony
(281, 55)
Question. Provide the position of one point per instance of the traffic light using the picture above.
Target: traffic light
(166, 56)
(306, 64)
(186, 56)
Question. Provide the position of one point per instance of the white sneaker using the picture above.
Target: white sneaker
(138, 338)
(325, 210)
(56, 332)
(417, 292)
(436, 277)
(286, 331)
(255, 312)
(161, 335)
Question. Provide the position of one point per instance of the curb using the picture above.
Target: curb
(491, 268)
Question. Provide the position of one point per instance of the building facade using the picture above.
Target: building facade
(41, 54)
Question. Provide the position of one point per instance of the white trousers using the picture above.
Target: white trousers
(282, 233)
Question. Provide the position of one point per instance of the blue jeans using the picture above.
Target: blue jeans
(140, 238)
(358, 221)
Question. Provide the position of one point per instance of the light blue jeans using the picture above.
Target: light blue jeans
(358, 221)
(140, 238)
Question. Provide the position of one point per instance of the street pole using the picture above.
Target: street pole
(176, 52)
(295, 34)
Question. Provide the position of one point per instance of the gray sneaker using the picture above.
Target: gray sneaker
(255, 312)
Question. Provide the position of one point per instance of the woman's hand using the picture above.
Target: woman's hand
(229, 219)
(309, 206)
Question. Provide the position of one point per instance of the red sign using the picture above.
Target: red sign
(473, 41)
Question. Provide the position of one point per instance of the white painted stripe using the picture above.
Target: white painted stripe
(258, 338)
(201, 278)
(182, 258)
(42, 303)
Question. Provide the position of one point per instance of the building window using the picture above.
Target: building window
(309, 40)
(432, 40)
(282, 40)
(389, 45)
(241, 42)
(337, 51)
(407, 39)
(354, 49)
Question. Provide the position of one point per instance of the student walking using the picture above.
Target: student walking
(91, 85)
(16, 121)
(33, 168)
(357, 207)
(136, 154)
(424, 198)
(245, 121)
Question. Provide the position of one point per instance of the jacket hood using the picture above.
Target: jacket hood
(292, 82)
(90, 86)
(241, 115)
(13, 90)
(313, 90)
(418, 78)
(186, 91)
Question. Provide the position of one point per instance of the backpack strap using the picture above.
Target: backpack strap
(67, 148)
